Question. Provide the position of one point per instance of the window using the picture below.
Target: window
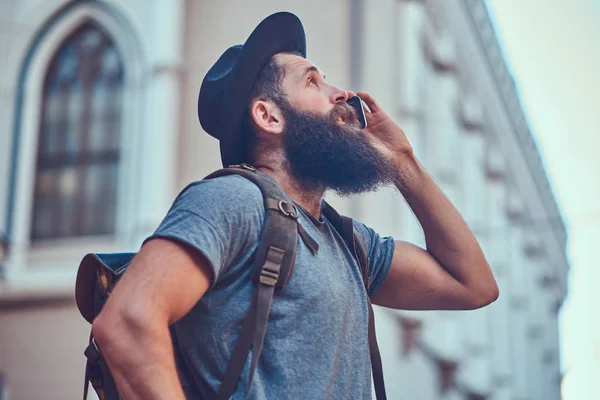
(79, 138)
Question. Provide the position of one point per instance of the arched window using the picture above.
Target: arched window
(79, 138)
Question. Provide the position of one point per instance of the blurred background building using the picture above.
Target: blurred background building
(99, 133)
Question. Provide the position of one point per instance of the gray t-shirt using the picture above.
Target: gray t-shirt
(316, 344)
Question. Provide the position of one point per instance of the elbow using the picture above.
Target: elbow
(485, 295)
(483, 288)
(495, 291)
(105, 330)
(115, 330)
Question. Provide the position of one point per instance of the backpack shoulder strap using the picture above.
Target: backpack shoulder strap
(279, 229)
(274, 199)
(345, 227)
(274, 262)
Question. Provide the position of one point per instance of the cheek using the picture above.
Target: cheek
(311, 100)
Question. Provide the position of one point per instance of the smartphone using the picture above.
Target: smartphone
(357, 104)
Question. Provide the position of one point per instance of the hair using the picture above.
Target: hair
(267, 87)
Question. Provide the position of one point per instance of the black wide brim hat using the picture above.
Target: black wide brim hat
(226, 89)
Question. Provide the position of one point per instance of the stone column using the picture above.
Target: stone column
(409, 62)
(416, 373)
(495, 247)
(551, 358)
(550, 351)
(475, 370)
(519, 297)
(159, 144)
(373, 51)
(538, 311)
(442, 141)
(440, 152)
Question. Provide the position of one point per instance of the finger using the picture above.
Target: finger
(369, 101)
(369, 118)
(351, 94)
(366, 107)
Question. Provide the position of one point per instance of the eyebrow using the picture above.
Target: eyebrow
(309, 69)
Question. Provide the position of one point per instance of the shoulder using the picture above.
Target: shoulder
(231, 193)
(372, 240)
(380, 252)
(364, 233)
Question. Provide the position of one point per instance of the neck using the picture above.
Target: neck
(308, 197)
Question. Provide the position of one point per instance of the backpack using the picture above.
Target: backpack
(273, 263)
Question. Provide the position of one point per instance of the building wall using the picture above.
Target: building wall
(431, 64)
(460, 109)
(41, 351)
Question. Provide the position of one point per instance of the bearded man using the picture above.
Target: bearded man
(272, 108)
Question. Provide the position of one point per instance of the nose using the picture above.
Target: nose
(339, 95)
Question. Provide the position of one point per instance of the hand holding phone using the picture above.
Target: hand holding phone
(357, 104)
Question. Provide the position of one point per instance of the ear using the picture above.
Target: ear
(267, 116)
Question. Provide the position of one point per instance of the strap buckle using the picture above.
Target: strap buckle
(267, 278)
(269, 273)
(244, 166)
(291, 214)
(92, 352)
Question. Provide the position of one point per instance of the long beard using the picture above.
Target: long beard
(322, 152)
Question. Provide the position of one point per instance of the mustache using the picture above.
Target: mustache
(344, 111)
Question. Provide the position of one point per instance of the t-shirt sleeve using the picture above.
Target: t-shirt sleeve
(221, 218)
(380, 251)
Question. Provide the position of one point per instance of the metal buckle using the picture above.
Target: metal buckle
(293, 214)
(269, 273)
(96, 345)
(268, 280)
(244, 166)
(269, 276)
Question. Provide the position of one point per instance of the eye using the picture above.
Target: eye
(312, 81)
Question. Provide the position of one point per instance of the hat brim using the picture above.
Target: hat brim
(280, 32)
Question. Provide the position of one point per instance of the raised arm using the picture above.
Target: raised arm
(162, 284)
(452, 273)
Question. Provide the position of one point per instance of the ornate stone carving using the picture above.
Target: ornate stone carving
(411, 328)
(494, 164)
(548, 357)
(447, 371)
(439, 47)
(547, 280)
(476, 396)
(489, 44)
(557, 306)
(515, 209)
(534, 248)
(470, 113)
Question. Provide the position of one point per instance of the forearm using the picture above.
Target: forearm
(140, 358)
(447, 237)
